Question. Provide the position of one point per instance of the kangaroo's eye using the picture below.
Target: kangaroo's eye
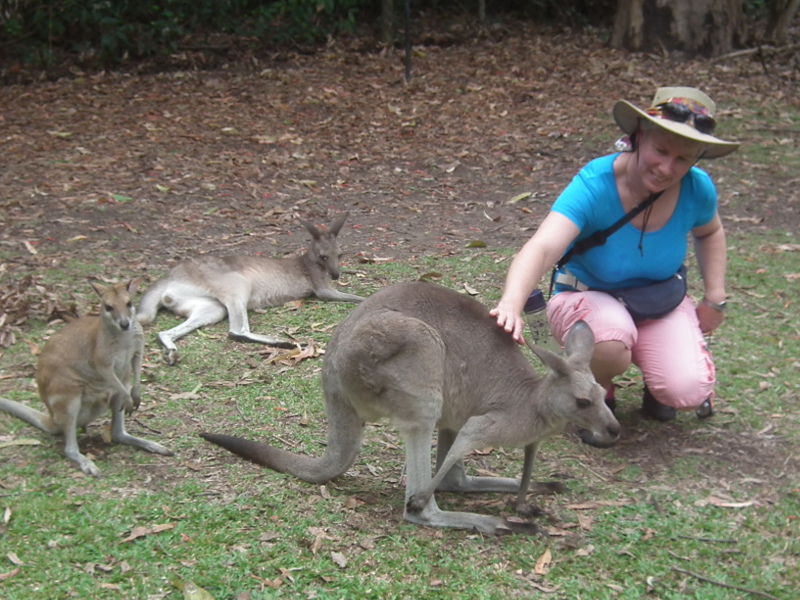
(108, 308)
(583, 402)
(129, 304)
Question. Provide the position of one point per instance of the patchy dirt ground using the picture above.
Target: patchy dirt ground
(160, 165)
(149, 168)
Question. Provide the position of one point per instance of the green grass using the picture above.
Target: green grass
(719, 499)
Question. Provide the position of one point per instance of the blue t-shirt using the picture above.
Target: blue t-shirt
(592, 202)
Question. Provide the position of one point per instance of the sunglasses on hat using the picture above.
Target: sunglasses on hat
(682, 110)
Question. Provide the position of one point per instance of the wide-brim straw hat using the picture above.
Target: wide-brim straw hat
(628, 118)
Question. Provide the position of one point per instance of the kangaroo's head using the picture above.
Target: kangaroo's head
(573, 393)
(116, 304)
(324, 250)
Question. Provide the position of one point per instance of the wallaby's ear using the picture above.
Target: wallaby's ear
(96, 286)
(579, 344)
(311, 229)
(337, 224)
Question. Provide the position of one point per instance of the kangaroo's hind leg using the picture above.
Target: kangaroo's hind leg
(200, 312)
(235, 301)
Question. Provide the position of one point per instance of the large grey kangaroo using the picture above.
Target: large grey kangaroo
(90, 366)
(206, 289)
(424, 356)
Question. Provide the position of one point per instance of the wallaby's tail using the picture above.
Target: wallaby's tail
(31, 416)
(345, 430)
(151, 302)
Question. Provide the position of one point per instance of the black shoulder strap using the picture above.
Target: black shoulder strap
(598, 238)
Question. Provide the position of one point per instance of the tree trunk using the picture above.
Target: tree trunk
(387, 22)
(780, 16)
(679, 28)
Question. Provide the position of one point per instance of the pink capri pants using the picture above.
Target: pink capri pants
(671, 352)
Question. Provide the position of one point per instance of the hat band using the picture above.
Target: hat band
(685, 110)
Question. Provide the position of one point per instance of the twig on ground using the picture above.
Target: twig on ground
(709, 540)
(750, 51)
(146, 426)
(724, 585)
(239, 410)
(592, 471)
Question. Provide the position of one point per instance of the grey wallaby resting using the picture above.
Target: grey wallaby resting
(88, 367)
(207, 288)
(424, 356)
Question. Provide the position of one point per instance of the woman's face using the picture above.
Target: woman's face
(664, 158)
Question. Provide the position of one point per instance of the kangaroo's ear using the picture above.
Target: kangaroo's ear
(337, 224)
(311, 229)
(133, 285)
(579, 344)
(551, 360)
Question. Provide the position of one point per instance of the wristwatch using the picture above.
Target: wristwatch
(720, 306)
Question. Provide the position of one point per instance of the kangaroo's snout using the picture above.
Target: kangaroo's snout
(605, 428)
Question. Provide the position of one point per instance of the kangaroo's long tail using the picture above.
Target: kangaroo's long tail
(332, 464)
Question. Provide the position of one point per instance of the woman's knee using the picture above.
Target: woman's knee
(672, 354)
(685, 395)
(610, 359)
(607, 317)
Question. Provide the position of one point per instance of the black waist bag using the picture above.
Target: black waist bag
(655, 300)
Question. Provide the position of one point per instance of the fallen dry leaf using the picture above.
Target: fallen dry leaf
(598, 504)
(543, 563)
(9, 575)
(470, 290)
(191, 591)
(140, 531)
(585, 521)
(21, 442)
(726, 504)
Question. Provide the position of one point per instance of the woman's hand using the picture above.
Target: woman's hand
(710, 318)
(509, 320)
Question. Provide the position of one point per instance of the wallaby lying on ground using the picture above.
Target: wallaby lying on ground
(89, 366)
(424, 356)
(206, 288)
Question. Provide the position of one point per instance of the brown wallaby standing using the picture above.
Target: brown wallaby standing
(207, 288)
(88, 367)
(424, 356)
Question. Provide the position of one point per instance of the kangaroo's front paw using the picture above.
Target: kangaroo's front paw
(126, 403)
(136, 400)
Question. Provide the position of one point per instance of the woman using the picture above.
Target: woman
(662, 146)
